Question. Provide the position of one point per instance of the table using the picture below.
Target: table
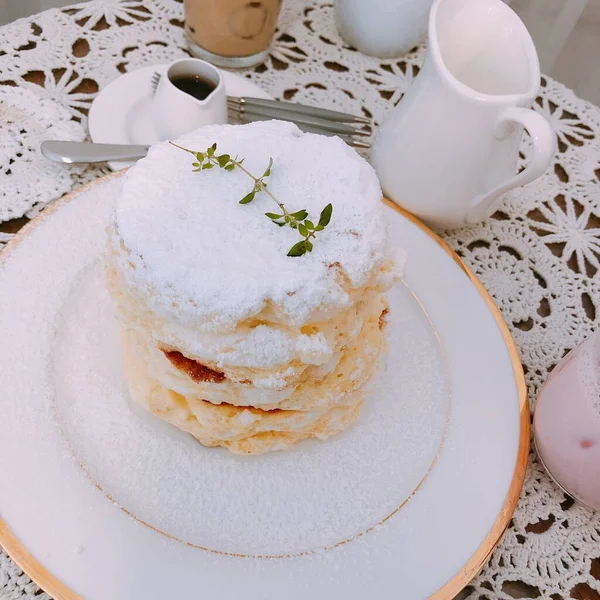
(539, 255)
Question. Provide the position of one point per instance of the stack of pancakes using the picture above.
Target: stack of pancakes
(224, 335)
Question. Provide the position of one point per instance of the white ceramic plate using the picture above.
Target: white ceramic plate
(120, 113)
(102, 501)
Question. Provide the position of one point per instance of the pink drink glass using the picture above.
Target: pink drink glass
(567, 423)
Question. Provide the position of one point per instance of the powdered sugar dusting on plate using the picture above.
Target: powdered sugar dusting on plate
(197, 254)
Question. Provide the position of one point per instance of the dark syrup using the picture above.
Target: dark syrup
(194, 85)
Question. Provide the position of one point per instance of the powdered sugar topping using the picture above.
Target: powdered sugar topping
(196, 254)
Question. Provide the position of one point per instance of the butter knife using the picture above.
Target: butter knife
(88, 152)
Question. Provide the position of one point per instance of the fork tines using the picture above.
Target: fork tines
(349, 138)
(349, 128)
(265, 106)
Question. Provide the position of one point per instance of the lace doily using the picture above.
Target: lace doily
(28, 179)
(539, 254)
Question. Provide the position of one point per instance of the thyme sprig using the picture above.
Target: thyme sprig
(209, 159)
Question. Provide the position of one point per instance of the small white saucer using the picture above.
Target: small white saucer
(120, 112)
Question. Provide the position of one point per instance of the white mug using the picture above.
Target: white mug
(449, 150)
(383, 28)
(176, 112)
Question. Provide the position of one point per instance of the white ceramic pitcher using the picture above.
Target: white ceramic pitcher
(448, 151)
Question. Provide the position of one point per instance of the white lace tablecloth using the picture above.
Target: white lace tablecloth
(539, 255)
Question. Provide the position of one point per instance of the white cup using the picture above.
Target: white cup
(383, 28)
(176, 112)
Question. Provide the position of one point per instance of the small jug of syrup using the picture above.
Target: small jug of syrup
(190, 94)
(194, 85)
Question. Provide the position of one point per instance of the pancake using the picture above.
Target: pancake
(355, 366)
(244, 430)
(303, 387)
(225, 335)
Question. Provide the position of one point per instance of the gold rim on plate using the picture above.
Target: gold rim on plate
(59, 591)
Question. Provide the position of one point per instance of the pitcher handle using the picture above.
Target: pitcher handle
(544, 148)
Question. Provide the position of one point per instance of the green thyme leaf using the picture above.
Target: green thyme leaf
(303, 230)
(230, 167)
(223, 159)
(309, 245)
(325, 216)
(309, 225)
(273, 215)
(319, 228)
(248, 197)
(268, 170)
(298, 249)
(211, 150)
(300, 215)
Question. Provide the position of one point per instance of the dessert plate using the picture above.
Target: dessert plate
(120, 113)
(101, 500)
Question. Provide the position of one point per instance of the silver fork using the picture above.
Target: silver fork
(154, 82)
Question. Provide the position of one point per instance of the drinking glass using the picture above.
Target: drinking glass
(567, 423)
(231, 33)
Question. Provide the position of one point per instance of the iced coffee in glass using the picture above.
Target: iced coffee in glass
(231, 33)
